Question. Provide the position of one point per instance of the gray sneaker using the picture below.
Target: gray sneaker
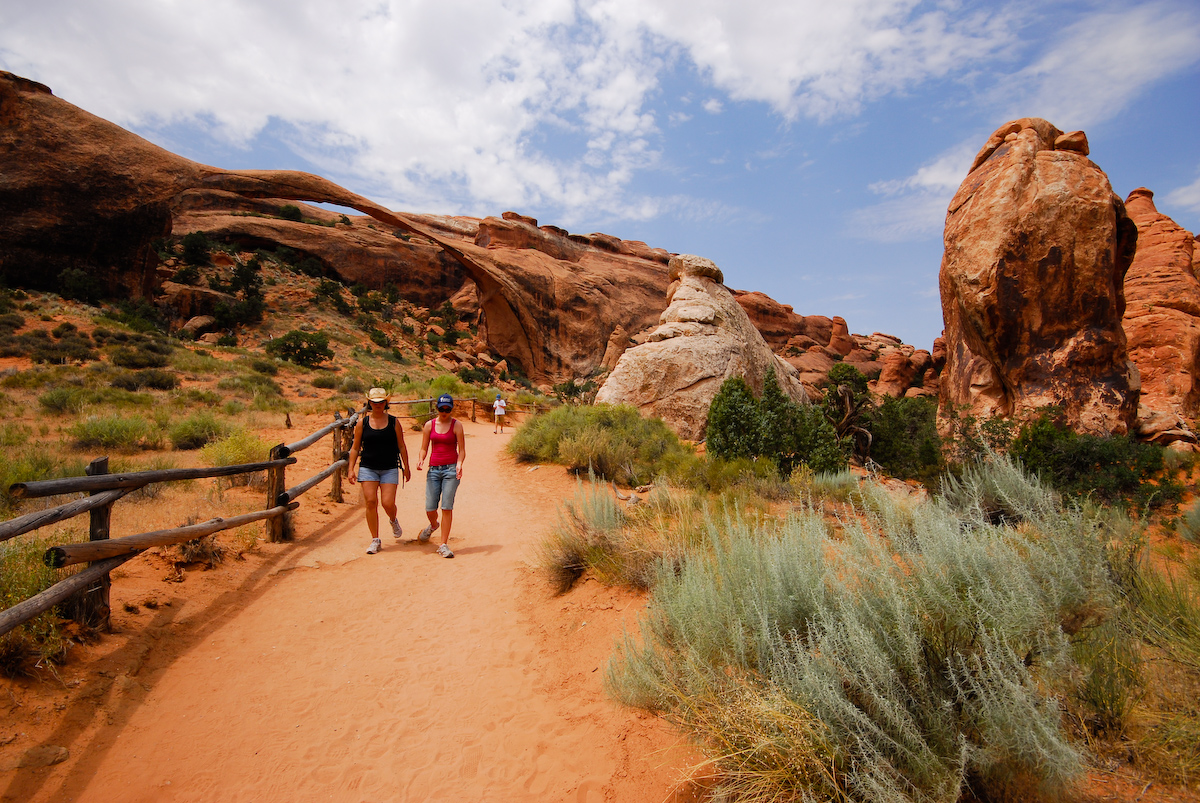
(423, 536)
(396, 531)
(375, 546)
(444, 551)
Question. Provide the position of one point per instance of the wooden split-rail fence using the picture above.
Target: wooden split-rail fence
(84, 596)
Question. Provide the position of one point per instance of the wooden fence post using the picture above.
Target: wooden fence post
(91, 607)
(276, 484)
(335, 486)
(472, 408)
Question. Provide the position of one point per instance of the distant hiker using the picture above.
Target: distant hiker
(445, 469)
(379, 437)
(498, 408)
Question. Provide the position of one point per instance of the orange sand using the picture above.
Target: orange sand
(324, 673)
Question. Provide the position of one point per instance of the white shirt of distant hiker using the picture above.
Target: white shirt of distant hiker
(498, 406)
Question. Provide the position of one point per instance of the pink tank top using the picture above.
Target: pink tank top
(444, 445)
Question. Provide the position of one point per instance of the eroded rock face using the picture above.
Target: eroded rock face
(703, 338)
(1037, 247)
(359, 252)
(1162, 309)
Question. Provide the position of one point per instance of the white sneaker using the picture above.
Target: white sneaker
(396, 531)
(375, 546)
(423, 536)
(444, 551)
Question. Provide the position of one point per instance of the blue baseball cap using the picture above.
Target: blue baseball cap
(445, 400)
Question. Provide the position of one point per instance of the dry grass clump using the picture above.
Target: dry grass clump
(39, 643)
(917, 654)
(238, 447)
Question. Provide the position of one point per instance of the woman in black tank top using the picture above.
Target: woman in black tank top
(379, 441)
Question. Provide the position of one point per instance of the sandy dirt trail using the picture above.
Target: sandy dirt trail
(397, 676)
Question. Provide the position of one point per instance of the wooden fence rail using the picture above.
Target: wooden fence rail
(85, 594)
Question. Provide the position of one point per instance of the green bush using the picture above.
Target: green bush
(196, 248)
(153, 378)
(1107, 469)
(196, 430)
(79, 285)
(68, 399)
(188, 274)
(614, 441)
(475, 376)
(733, 428)
(913, 654)
(325, 380)
(290, 212)
(137, 358)
(352, 385)
(904, 438)
(775, 427)
(267, 367)
(309, 349)
(114, 432)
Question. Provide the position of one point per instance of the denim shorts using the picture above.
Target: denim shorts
(441, 482)
(383, 476)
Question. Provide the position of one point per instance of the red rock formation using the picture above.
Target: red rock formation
(1162, 309)
(780, 325)
(361, 252)
(1037, 246)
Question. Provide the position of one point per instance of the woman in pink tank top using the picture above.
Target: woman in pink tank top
(445, 470)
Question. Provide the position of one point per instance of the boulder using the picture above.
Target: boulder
(198, 325)
(1036, 250)
(1162, 427)
(704, 337)
(186, 301)
(1162, 309)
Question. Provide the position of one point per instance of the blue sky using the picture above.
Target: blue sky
(809, 148)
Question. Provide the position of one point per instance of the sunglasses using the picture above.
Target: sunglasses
(444, 409)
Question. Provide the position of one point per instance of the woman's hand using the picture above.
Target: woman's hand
(407, 474)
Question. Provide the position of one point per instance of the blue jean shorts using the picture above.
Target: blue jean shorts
(441, 481)
(383, 476)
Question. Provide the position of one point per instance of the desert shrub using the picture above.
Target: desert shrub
(378, 337)
(1108, 469)
(11, 322)
(614, 441)
(1189, 523)
(290, 212)
(195, 431)
(22, 575)
(324, 380)
(309, 349)
(64, 328)
(69, 399)
(904, 438)
(137, 358)
(267, 367)
(475, 376)
(188, 274)
(153, 378)
(196, 248)
(237, 448)
(230, 315)
(114, 432)
(28, 461)
(733, 429)
(352, 385)
(922, 665)
(774, 427)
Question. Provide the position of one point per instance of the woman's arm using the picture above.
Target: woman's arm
(424, 443)
(351, 474)
(403, 450)
(461, 436)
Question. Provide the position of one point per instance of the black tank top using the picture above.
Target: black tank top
(379, 448)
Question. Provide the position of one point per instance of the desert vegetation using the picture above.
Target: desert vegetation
(1025, 618)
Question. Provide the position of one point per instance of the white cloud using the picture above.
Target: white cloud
(470, 105)
(1100, 63)
(1187, 196)
(917, 206)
